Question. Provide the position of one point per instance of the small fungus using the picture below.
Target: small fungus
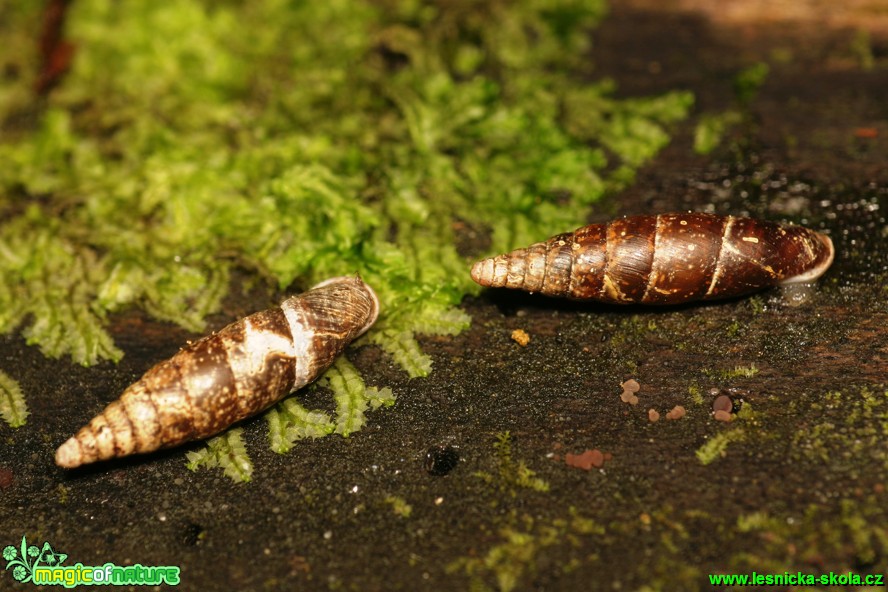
(728, 400)
(586, 460)
(520, 337)
(722, 415)
(677, 412)
(653, 415)
(631, 386)
(628, 397)
(722, 403)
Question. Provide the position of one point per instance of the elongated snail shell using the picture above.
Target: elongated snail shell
(664, 259)
(230, 375)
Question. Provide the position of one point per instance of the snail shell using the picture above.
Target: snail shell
(664, 259)
(230, 375)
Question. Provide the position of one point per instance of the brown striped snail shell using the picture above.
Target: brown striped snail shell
(230, 375)
(663, 259)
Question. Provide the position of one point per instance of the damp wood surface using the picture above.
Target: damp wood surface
(795, 481)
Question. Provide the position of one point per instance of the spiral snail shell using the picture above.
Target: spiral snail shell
(663, 259)
(230, 375)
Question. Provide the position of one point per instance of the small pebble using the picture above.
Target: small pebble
(722, 415)
(677, 412)
(653, 415)
(520, 337)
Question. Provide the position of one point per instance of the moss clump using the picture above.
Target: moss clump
(520, 547)
(298, 142)
(844, 534)
(226, 451)
(712, 127)
(717, 445)
(193, 137)
(352, 396)
(511, 474)
(399, 506)
(288, 422)
(735, 372)
(521, 538)
(13, 409)
(696, 393)
(845, 430)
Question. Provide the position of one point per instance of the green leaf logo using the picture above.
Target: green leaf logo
(27, 557)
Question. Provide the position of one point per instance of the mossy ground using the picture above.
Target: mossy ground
(804, 489)
(187, 143)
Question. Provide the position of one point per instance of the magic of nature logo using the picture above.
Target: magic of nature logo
(43, 566)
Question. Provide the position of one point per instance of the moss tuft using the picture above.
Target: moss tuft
(511, 475)
(226, 451)
(298, 142)
(717, 445)
(13, 409)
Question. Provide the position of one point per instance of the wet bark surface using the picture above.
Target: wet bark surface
(465, 481)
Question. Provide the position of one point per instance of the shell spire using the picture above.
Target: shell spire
(663, 259)
(230, 375)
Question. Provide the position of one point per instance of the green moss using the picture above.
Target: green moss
(298, 142)
(64, 494)
(696, 394)
(712, 127)
(52, 283)
(522, 539)
(227, 452)
(749, 81)
(13, 409)
(352, 396)
(669, 536)
(845, 533)
(514, 558)
(733, 329)
(399, 506)
(717, 446)
(747, 412)
(511, 474)
(756, 304)
(861, 47)
(288, 421)
(736, 372)
(842, 428)
(205, 129)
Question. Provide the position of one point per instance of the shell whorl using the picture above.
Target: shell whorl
(663, 259)
(230, 375)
